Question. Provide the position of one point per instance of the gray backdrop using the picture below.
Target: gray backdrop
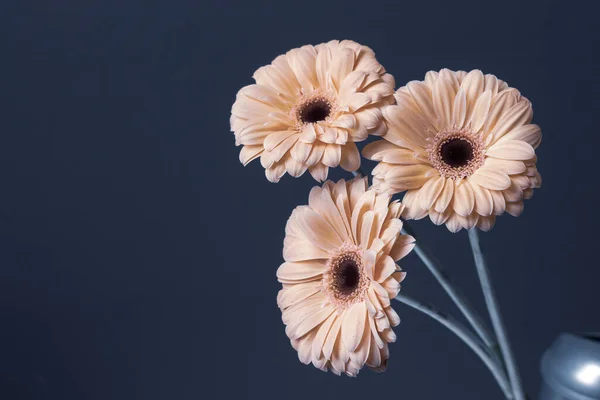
(138, 257)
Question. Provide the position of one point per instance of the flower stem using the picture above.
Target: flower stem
(466, 336)
(459, 299)
(492, 305)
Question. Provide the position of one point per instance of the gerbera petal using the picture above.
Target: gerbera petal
(332, 155)
(464, 199)
(350, 157)
(484, 204)
(353, 326)
(531, 134)
(443, 98)
(519, 114)
(490, 178)
(430, 191)
(300, 270)
(511, 150)
(318, 231)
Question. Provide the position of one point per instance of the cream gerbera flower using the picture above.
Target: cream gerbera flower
(339, 276)
(309, 107)
(462, 147)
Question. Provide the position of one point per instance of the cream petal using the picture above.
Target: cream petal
(367, 231)
(439, 218)
(490, 178)
(332, 155)
(365, 204)
(370, 118)
(379, 130)
(511, 150)
(294, 168)
(319, 340)
(332, 337)
(318, 231)
(360, 355)
(451, 77)
(468, 222)
(249, 153)
(464, 199)
(501, 103)
(473, 84)
(480, 110)
(369, 257)
(298, 312)
(304, 349)
(279, 151)
(374, 358)
(319, 172)
(350, 158)
(443, 98)
(303, 62)
(430, 78)
(384, 268)
(320, 201)
(346, 121)
(389, 335)
(520, 114)
(356, 101)
(429, 193)
(353, 326)
(312, 321)
(460, 109)
(341, 65)
(323, 62)
(297, 293)
(486, 223)
(252, 138)
(409, 176)
(300, 270)
(484, 204)
(382, 150)
(351, 85)
(453, 223)
(301, 151)
(499, 202)
(515, 209)
(356, 189)
(275, 172)
(510, 167)
(445, 196)
(531, 134)
(413, 209)
(514, 193)
(491, 84)
(308, 134)
(402, 246)
(316, 154)
(423, 98)
(382, 294)
(278, 75)
(392, 316)
(382, 323)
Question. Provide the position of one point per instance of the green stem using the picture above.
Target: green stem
(494, 310)
(466, 336)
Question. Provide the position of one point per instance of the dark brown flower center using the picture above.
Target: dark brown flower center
(315, 111)
(456, 152)
(347, 277)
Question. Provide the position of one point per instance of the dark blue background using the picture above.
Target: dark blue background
(138, 257)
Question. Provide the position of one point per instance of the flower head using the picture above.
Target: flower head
(462, 147)
(309, 107)
(339, 275)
